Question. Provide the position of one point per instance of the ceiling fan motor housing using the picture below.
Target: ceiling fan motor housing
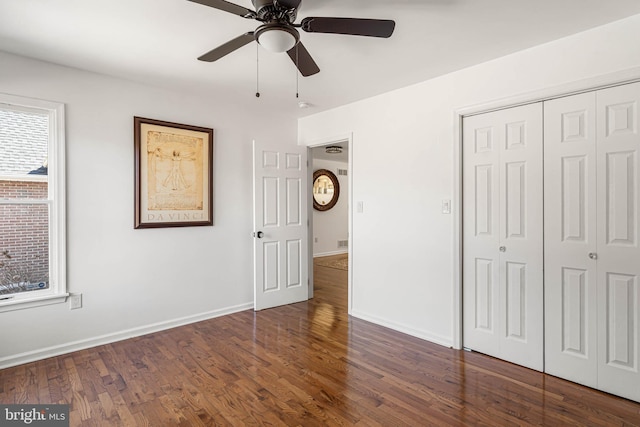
(272, 10)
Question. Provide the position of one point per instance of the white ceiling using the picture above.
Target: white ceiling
(158, 41)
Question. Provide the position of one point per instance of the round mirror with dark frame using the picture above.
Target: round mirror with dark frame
(326, 190)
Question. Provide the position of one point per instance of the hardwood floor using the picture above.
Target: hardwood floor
(306, 364)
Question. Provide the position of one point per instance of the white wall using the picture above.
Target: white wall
(332, 225)
(403, 167)
(137, 280)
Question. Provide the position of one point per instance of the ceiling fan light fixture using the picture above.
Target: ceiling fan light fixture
(277, 38)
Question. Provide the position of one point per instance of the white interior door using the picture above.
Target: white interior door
(592, 257)
(280, 224)
(481, 235)
(618, 253)
(570, 236)
(502, 241)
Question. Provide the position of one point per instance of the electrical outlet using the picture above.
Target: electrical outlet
(75, 301)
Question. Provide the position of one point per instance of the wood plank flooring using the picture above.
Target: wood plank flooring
(306, 364)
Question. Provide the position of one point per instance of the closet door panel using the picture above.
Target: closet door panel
(570, 236)
(618, 250)
(481, 240)
(521, 236)
(502, 226)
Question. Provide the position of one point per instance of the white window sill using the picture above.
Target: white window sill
(18, 303)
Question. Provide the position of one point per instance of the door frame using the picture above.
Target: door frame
(340, 139)
(631, 75)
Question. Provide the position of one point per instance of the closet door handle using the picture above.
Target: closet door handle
(593, 255)
(503, 249)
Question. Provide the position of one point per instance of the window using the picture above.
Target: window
(32, 204)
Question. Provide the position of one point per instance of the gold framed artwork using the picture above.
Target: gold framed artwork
(173, 174)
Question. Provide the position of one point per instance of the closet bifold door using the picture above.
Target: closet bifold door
(502, 235)
(592, 257)
(618, 256)
(569, 237)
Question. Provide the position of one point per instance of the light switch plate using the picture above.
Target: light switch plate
(446, 206)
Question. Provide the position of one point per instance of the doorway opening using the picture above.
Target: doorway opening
(330, 244)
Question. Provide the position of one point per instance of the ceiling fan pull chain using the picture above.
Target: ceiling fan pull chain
(257, 70)
(297, 76)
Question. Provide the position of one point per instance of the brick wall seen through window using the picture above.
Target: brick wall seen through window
(24, 207)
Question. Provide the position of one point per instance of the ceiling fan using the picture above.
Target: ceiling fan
(278, 32)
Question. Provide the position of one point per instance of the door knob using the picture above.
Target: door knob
(593, 255)
(503, 248)
(258, 234)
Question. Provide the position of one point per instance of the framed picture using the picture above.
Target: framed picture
(173, 174)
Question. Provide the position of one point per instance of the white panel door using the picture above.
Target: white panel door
(481, 228)
(502, 243)
(592, 257)
(570, 236)
(280, 225)
(618, 253)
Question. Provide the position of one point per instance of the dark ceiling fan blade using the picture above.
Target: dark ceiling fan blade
(228, 47)
(288, 4)
(352, 26)
(228, 7)
(303, 60)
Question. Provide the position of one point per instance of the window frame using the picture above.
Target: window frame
(56, 199)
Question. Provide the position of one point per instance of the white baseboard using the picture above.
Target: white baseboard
(425, 335)
(32, 356)
(340, 252)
